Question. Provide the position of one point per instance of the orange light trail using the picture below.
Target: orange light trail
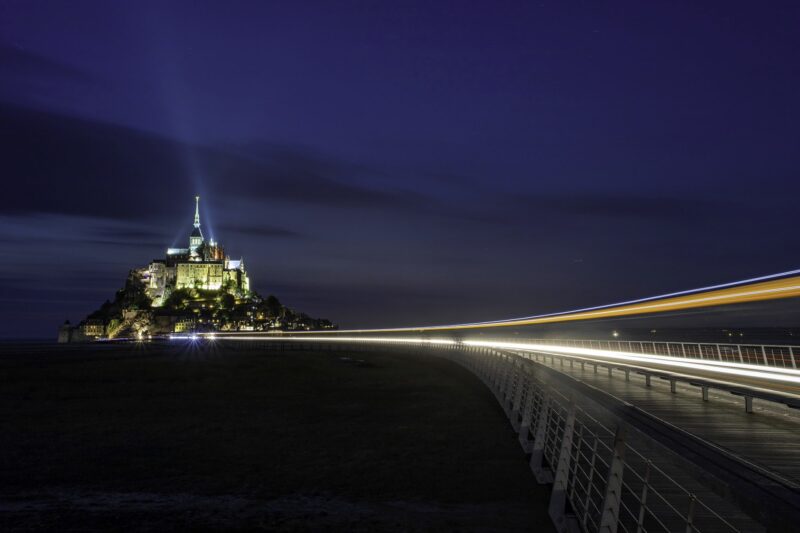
(762, 291)
(759, 289)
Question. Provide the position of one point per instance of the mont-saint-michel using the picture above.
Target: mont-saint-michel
(199, 288)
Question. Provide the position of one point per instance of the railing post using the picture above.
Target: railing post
(508, 372)
(515, 393)
(558, 496)
(613, 494)
(690, 514)
(643, 499)
(483, 364)
(508, 377)
(527, 414)
(542, 473)
(578, 440)
(589, 483)
(497, 372)
(517, 401)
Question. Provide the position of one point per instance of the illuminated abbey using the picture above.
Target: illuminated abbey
(192, 289)
(202, 266)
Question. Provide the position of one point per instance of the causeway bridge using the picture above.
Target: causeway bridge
(632, 436)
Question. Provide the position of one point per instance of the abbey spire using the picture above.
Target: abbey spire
(197, 212)
(196, 238)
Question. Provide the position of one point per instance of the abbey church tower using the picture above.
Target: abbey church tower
(196, 238)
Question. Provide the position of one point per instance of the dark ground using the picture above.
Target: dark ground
(159, 438)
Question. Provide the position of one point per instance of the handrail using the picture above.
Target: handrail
(770, 355)
(748, 393)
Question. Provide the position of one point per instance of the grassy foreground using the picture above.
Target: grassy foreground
(156, 438)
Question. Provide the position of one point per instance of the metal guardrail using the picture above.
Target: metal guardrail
(748, 394)
(781, 356)
(600, 481)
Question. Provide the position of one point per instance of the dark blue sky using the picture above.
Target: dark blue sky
(398, 164)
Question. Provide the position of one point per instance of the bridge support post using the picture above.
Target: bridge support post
(748, 404)
(590, 480)
(613, 495)
(515, 392)
(643, 498)
(502, 376)
(558, 497)
(705, 394)
(488, 368)
(527, 413)
(508, 383)
(483, 364)
(496, 372)
(542, 473)
(517, 401)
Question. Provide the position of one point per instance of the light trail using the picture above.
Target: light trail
(743, 282)
(732, 369)
(740, 381)
(770, 375)
(783, 285)
(762, 288)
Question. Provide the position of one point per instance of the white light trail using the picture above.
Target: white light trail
(731, 369)
(781, 375)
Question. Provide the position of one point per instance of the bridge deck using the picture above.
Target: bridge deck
(769, 437)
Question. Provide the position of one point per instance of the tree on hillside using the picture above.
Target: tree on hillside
(178, 300)
(227, 301)
(273, 306)
(229, 286)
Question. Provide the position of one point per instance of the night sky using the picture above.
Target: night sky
(393, 163)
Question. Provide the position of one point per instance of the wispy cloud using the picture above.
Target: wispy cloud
(262, 231)
(615, 205)
(21, 64)
(99, 169)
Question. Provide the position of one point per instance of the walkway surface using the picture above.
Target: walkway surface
(768, 437)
